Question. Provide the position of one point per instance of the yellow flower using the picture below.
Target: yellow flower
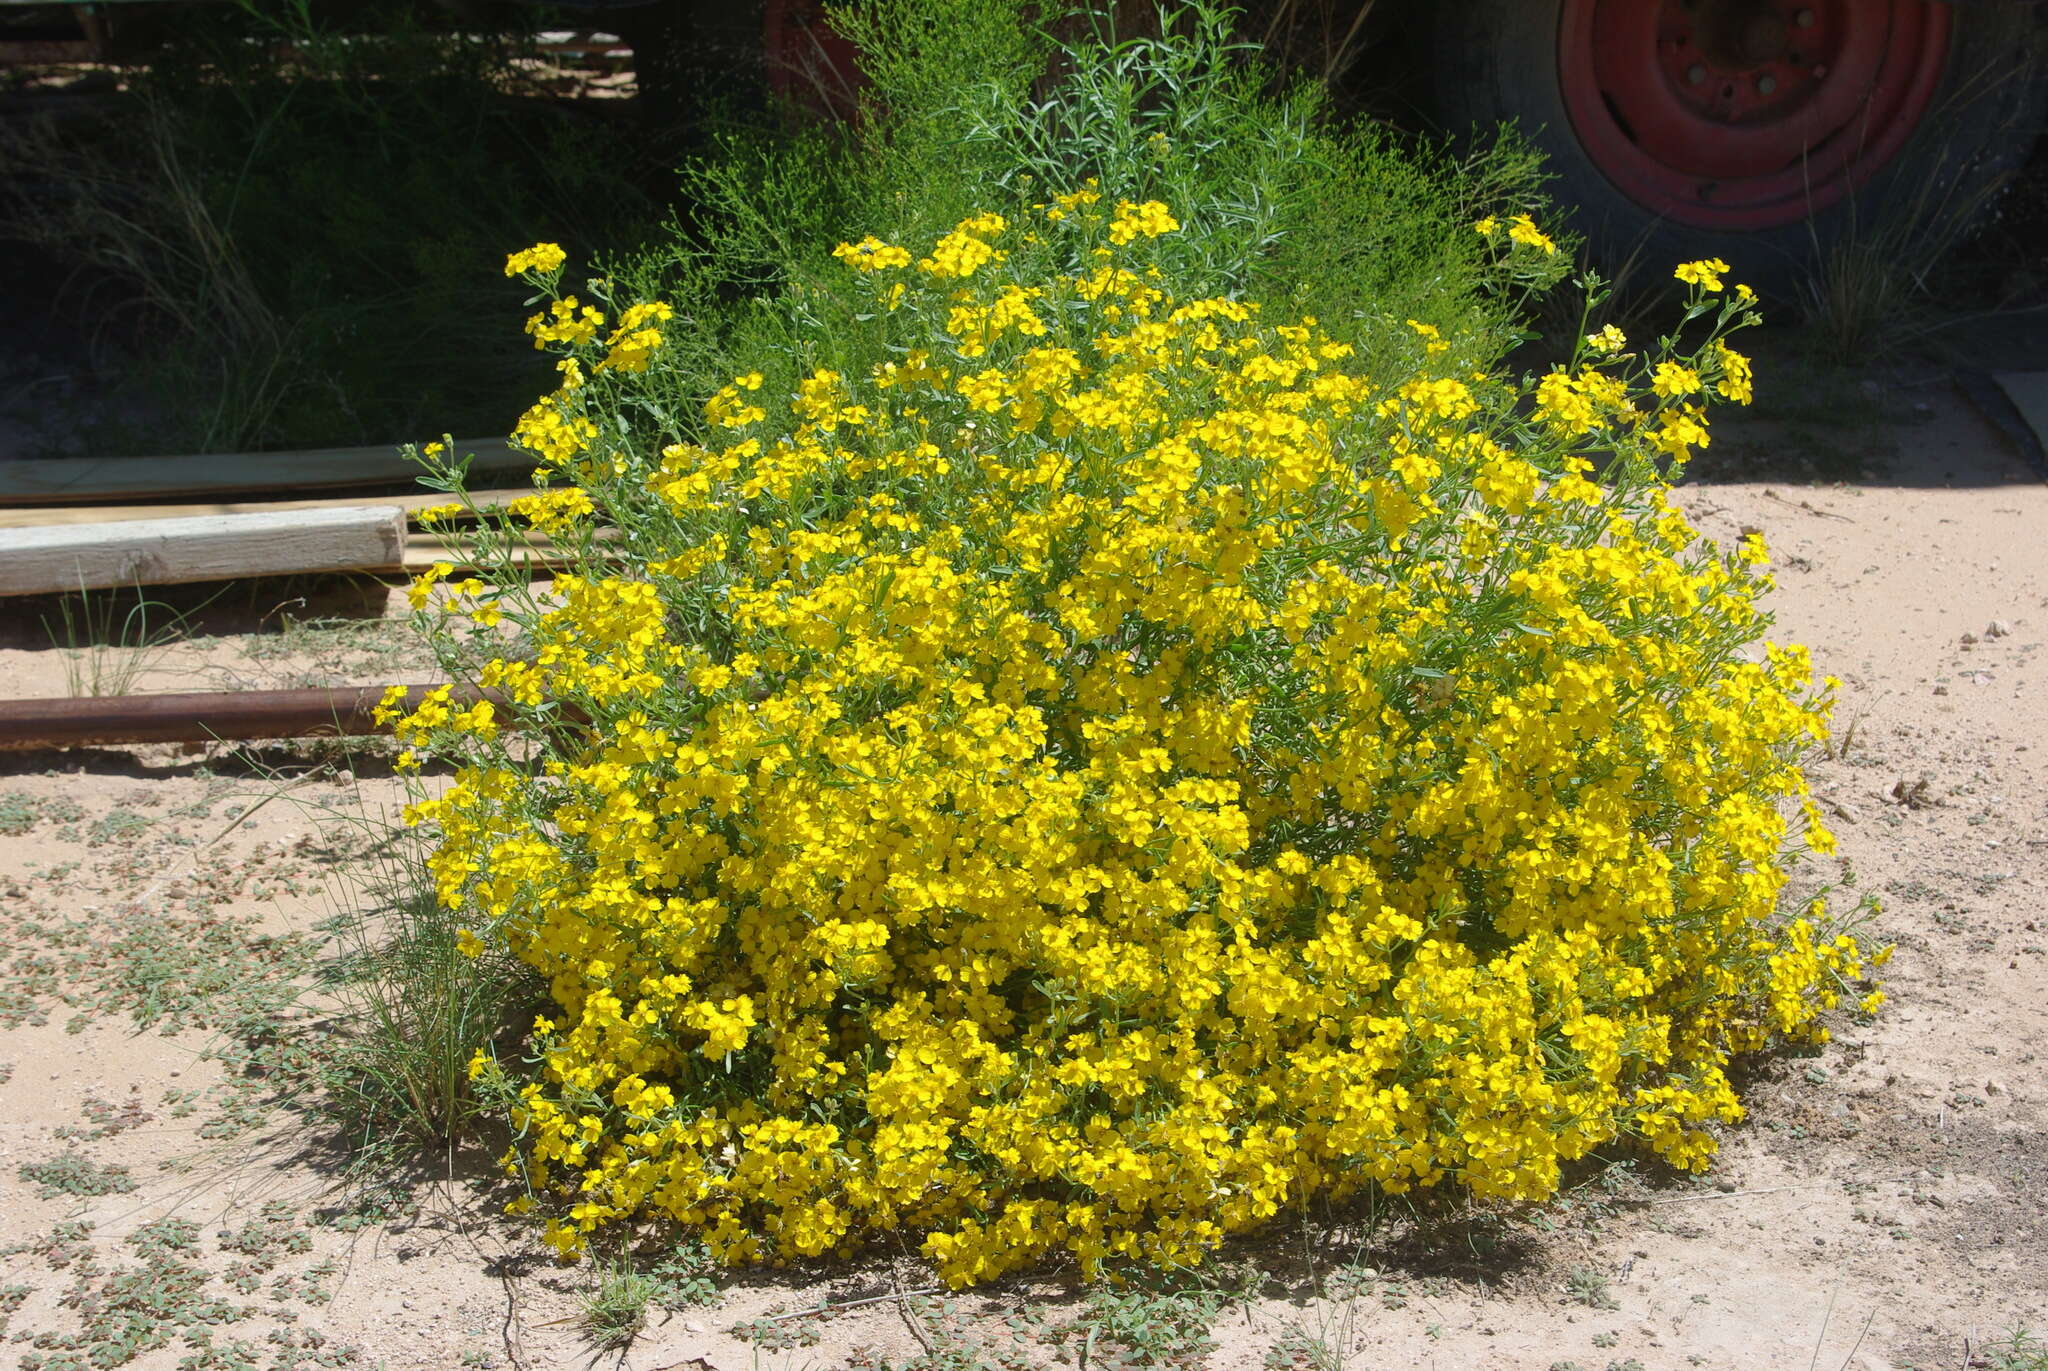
(439, 514)
(541, 257)
(1671, 380)
(1433, 340)
(1148, 220)
(965, 250)
(872, 254)
(1522, 229)
(567, 320)
(423, 584)
(1705, 273)
(1737, 376)
(633, 342)
(730, 409)
(553, 511)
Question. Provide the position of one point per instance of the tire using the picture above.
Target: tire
(1675, 130)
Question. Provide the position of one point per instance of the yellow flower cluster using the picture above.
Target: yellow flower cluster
(566, 321)
(633, 342)
(962, 252)
(1147, 220)
(553, 511)
(872, 254)
(541, 257)
(1521, 229)
(1705, 273)
(1112, 772)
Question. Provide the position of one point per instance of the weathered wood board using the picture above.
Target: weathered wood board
(42, 516)
(79, 480)
(36, 561)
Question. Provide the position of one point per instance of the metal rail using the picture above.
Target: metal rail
(205, 716)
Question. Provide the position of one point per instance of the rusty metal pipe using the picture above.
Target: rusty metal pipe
(205, 716)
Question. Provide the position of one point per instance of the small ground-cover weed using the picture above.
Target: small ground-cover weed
(177, 1288)
(165, 1237)
(11, 1299)
(104, 1119)
(117, 826)
(20, 813)
(1158, 1322)
(74, 1173)
(783, 1330)
(1586, 1286)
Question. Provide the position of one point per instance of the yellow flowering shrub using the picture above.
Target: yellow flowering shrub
(1104, 770)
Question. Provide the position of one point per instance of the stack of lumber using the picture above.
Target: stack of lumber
(97, 524)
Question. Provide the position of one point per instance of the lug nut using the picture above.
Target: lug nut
(1804, 19)
(1696, 73)
(1766, 84)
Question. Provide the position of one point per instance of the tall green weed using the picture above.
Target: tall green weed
(971, 105)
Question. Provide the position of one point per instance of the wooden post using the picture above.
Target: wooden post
(37, 561)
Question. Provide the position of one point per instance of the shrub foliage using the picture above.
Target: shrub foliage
(1112, 768)
(972, 105)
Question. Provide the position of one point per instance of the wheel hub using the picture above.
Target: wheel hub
(1746, 114)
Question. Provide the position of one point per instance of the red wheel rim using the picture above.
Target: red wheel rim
(1747, 114)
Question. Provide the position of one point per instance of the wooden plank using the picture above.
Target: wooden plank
(45, 516)
(534, 559)
(150, 552)
(78, 480)
(532, 550)
(42, 52)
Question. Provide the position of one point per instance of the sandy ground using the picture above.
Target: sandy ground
(1886, 1205)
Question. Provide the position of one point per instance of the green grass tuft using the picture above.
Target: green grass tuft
(418, 1009)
